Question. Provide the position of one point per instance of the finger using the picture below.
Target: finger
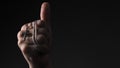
(30, 26)
(45, 12)
(20, 35)
(23, 28)
(28, 41)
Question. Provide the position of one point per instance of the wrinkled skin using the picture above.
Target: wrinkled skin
(37, 56)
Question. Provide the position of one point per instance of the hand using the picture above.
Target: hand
(34, 39)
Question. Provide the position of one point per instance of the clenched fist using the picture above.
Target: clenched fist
(34, 39)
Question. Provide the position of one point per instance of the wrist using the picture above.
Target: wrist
(40, 65)
(41, 62)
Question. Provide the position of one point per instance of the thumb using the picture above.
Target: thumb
(45, 12)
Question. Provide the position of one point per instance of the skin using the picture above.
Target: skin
(37, 56)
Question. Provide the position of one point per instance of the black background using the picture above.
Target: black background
(86, 34)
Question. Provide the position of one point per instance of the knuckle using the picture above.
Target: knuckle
(20, 42)
(30, 25)
(19, 34)
(24, 27)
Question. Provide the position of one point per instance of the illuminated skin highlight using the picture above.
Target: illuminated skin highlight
(34, 40)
